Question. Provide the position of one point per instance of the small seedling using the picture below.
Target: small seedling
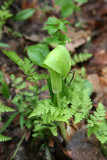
(4, 14)
(55, 27)
(69, 7)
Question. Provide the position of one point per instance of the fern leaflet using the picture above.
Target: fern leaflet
(80, 58)
(97, 124)
(4, 138)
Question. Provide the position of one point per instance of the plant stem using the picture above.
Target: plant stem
(61, 124)
(18, 146)
(63, 131)
(0, 32)
(48, 155)
(58, 99)
(8, 122)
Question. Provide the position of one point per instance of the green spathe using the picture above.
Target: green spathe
(58, 63)
(58, 60)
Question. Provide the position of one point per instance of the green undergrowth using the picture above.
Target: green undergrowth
(3, 109)
(43, 116)
(69, 91)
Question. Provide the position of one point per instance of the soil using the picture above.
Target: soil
(91, 36)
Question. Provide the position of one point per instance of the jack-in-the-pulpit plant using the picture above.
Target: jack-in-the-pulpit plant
(69, 97)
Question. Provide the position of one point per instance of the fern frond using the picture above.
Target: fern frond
(4, 138)
(80, 105)
(97, 124)
(14, 57)
(49, 113)
(43, 130)
(4, 108)
(80, 58)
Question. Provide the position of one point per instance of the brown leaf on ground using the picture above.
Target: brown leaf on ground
(82, 148)
(100, 60)
(33, 37)
(94, 79)
(26, 4)
(51, 142)
(78, 37)
(103, 77)
(33, 4)
(70, 132)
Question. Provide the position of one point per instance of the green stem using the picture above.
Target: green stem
(63, 131)
(61, 124)
(18, 146)
(0, 32)
(8, 122)
(58, 99)
(48, 155)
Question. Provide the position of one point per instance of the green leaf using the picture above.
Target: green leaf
(67, 10)
(37, 53)
(8, 122)
(5, 90)
(52, 21)
(18, 80)
(14, 57)
(62, 26)
(51, 29)
(1, 77)
(12, 77)
(50, 89)
(104, 149)
(4, 138)
(25, 14)
(21, 86)
(88, 86)
(81, 1)
(22, 121)
(61, 2)
(4, 45)
(17, 34)
(4, 108)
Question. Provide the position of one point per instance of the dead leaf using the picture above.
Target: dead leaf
(51, 142)
(94, 79)
(82, 148)
(78, 37)
(100, 60)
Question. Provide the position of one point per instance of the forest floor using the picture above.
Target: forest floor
(90, 36)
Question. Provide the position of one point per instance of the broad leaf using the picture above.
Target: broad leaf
(25, 14)
(52, 21)
(62, 26)
(81, 1)
(67, 10)
(51, 29)
(61, 2)
(37, 53)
